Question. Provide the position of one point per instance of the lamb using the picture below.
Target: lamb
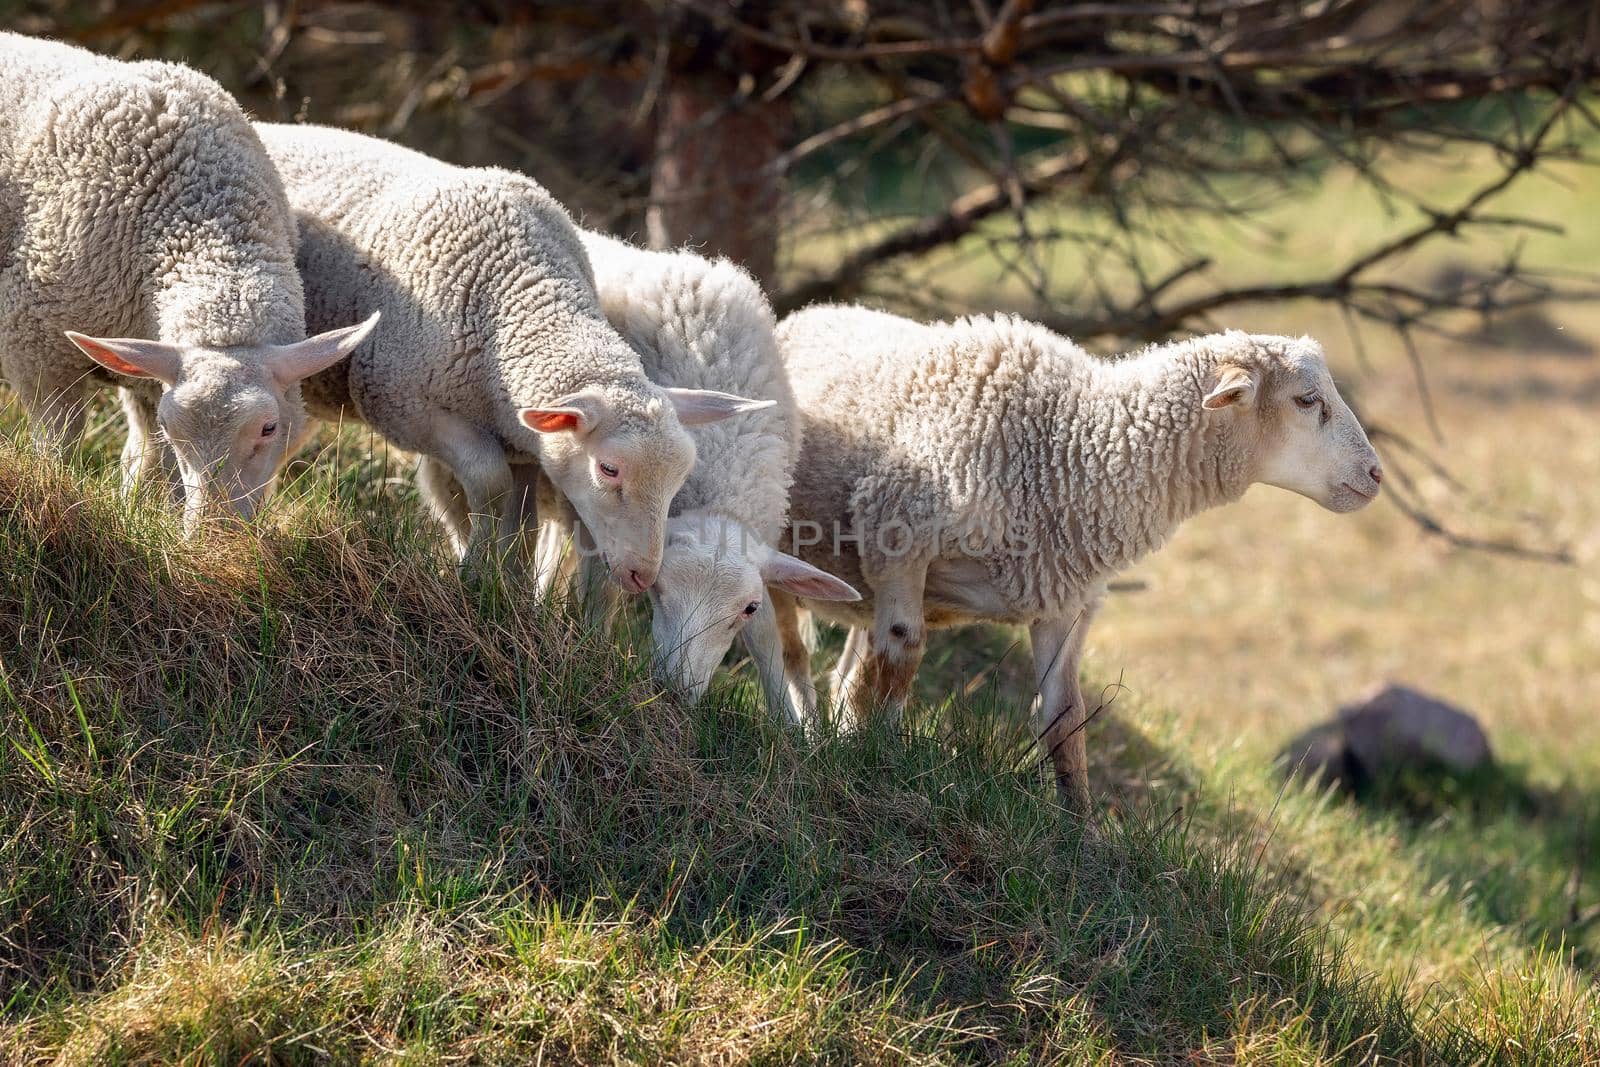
(493, 360)
(135, 200)
(988, 470)
(696, 323)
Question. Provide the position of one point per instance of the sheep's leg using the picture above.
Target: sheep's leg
(595, 587)
(479, 464)
(58, 427)
(895, 644)
(555, 559)
(790, 621)
(446, 500)
(845, 676)
(143, 451)
(522, 513)
(1057, 650)
(56, 409)
(37, 362)
(764, 642)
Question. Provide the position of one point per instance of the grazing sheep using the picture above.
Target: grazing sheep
(493, 359)
(988, 470)
(136, 202)
(697, 323)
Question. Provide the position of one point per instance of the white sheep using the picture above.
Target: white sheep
(493, 358)
(988, 470)
(698, 323)
(136, 202)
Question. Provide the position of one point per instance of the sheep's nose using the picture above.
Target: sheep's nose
(673, 673)
(204, 507)
(635, 577)
(1376, 473)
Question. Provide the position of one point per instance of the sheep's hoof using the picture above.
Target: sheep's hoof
(1073, 793)
(475, 569)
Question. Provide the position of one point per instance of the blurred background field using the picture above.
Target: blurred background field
(463, 854)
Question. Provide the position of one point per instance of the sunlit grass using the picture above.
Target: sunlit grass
(297, 793)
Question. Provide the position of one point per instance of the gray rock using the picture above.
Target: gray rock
(1398, 729)
(1320, 752)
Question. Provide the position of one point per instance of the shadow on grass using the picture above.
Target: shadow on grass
(1522, 855)
(291, 732)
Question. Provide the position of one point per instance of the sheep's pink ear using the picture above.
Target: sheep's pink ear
(803, 580)
(299, 361)
(695, 407)
(1235, 385)
(578, 413)
(133, 357)
(551, 420)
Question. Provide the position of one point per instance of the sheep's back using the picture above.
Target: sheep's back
(948, 429)
(488, 300)
(963, 397)
(699, 323)
(143, 201)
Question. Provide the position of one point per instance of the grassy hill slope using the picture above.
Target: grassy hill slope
(295, 794)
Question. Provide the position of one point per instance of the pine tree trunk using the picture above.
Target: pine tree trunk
(712, 186)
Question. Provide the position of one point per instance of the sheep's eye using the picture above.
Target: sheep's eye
(1307, 402)
(268, 429)
(752, 607)
(607, 470)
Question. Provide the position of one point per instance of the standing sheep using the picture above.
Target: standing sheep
(988, 470)
(695, 323)
(136, 201)
(493, 359)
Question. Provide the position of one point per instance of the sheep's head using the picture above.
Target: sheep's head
(230, 415)
(620, 469)
(1307, 438)
(714, 574)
